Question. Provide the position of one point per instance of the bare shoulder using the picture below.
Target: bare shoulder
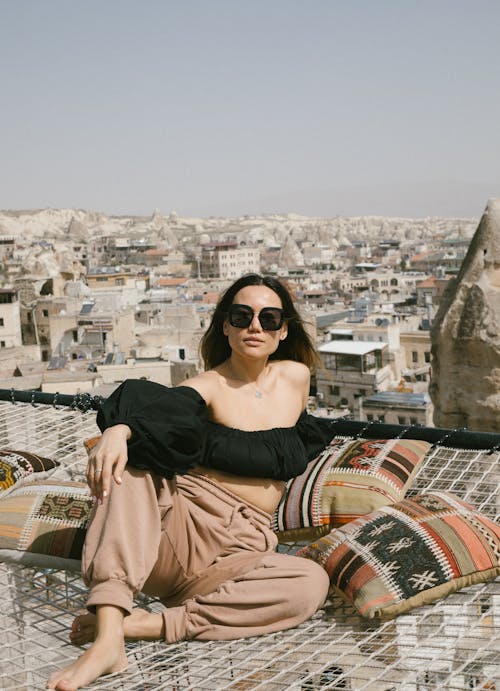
(297, 375)
(205, 383)
(294, 371)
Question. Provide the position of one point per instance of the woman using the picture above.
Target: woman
(186, 480)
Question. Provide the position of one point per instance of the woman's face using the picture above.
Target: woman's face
(253, 341)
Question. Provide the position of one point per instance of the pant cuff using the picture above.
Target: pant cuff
(174, 619)
(116, 593)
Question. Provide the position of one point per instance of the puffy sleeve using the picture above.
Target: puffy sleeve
(315, 433)
(168, 425)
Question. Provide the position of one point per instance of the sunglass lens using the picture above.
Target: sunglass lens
(240, 317)
(271, 318)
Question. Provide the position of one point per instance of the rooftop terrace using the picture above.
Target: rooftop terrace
(453, 644)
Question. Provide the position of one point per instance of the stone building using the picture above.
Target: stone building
(227, 260)
(396, 408)
(417, 348)
(10, 320)
(352, 369)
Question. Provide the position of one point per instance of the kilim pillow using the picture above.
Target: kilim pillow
(44, 524)
(409, 554)
(16, 466)
(348, 479)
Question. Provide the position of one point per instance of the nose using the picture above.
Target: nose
(255, 323)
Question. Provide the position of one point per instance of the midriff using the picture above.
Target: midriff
(261, 492)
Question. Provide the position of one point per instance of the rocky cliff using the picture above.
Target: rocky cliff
(465, 385)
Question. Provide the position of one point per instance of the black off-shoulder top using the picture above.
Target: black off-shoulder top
(172, 433)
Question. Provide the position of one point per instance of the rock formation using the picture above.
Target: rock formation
(465, 385)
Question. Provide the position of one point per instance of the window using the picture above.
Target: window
(413, 421)
(369, 417)
(334, 390)
(74, 334)
(351, 363)
(381, 418)
(2, 344)
(401, 420)
(414, 356)
(1, 321)
(427, 356)
(45, 313)
(372, 361)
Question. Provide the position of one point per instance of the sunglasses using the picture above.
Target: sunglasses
(270, 318)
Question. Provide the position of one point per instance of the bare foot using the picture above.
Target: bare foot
(138, 626)
(105, 656)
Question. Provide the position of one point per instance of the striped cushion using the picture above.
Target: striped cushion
(409, 554)
(348, 479)
(17, 466)
(44, 524)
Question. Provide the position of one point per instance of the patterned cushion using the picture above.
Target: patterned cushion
(44, 524)
(409, 554)
(17, 466)
(349, 479)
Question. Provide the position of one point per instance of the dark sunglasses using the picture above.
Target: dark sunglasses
(270, 318)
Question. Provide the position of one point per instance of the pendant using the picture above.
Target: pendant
(258, 394)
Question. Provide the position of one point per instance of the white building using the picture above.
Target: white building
(352, 369)
(227, 260)
(234, 263)
(10, 319)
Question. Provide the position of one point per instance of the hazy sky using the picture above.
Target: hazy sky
(225, 107)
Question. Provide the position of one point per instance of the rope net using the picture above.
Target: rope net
(453, 644)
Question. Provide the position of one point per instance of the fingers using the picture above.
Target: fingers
(107, 460)
(94, 472)
(119, 468)
(99, 473)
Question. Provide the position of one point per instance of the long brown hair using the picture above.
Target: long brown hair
(214, 346)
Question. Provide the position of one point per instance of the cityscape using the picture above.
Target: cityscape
(88, 300)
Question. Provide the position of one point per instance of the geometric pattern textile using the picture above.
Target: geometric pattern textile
(16, 466)
(44, 524)
(350, 478)
(409, 554)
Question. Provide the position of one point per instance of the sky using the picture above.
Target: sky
(232, 107)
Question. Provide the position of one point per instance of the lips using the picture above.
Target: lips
(252, 341)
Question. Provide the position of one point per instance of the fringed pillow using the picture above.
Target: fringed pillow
(348, 479)
(409, 554)
(18, 466)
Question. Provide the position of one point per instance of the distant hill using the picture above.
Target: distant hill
(80, 226)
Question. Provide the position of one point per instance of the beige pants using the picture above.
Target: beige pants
(206, 554)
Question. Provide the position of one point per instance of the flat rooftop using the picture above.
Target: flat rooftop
(351, 347)
(398, 398)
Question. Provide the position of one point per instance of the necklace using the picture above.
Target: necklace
(257, 391)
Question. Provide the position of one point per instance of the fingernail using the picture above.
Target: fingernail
(118, 479)
(104, 494)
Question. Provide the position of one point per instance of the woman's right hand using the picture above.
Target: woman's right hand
(107, 460)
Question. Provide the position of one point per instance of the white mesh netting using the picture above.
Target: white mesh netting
(453, 644)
